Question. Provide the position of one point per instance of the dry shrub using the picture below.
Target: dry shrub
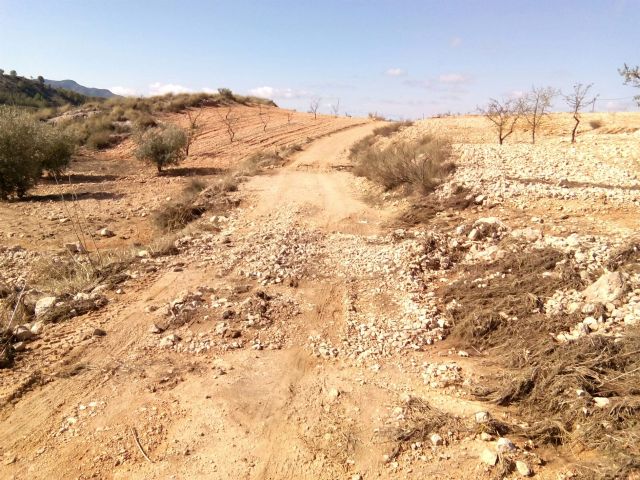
(596, 124)
(261, 160)
(76, 273)
(391, 128)
(627, 257)
(418, 422)
(164, 246)
(195, 200)
(425, 209)
(422, 164)
(550, 385)
(546, 393)
(507, 309)
(175, 216)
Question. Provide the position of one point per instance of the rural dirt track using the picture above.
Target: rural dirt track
(247, 413)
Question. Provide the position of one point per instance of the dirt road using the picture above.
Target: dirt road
(302, 399)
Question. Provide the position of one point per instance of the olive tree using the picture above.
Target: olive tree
(27, 149)
(162, 146)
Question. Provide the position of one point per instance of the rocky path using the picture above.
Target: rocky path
(271, 347)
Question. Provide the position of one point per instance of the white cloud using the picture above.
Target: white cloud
(455, 42)
(264, 92)
(158, 88)
(124, 91)
(428, 84)
(453, 78)
(271, 92)
(396, 72)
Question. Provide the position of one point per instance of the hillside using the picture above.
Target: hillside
(74, 86)
(20, 91)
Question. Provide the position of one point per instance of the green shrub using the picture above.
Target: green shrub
(422, 165)
(27, 148)
(162, 146)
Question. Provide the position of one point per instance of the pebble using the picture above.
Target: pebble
(523, 468)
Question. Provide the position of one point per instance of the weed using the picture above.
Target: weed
(421, 165)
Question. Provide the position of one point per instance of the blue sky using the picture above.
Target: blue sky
(398, 58)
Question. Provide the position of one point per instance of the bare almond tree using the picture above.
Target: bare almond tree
(230, 120)
(631, 77)
(504, 115)
(194, 130)
(335, 108)
(577, 101)
(536, 107)
(289, 117)
(265, 117)
(313, 107)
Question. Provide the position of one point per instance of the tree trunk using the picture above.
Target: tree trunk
(533, 135)
(575, 129)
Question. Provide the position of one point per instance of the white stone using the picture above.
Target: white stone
(489, 457)
(505, 445)
(44, 304)
(608, 288)
(523, 468)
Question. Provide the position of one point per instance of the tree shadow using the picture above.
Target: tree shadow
(573, 184)
(69, 197)
(78, 178)
(190, 171)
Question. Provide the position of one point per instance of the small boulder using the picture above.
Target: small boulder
(37, 327)
(505, 445)
(22, 333)
(601, 402)
(489, 457)
(44, 304)
(608, 288)
(105, 232)
(436, 440)
(98, 332)
(482, 417)
(523, 468)
(74, 247)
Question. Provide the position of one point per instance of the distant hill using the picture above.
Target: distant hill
(76, 87)
(20, 91)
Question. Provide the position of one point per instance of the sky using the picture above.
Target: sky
(400, 59)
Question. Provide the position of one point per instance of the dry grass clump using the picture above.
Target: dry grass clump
(261, 160)
(421, 165)
(418, 422)
(427, 208)
(555, 387)
(501, 303)
(391, 128)
(627, 257)
(71, 274)
(176, 215)
(551, 386)
(596, 124)
(196, 199)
